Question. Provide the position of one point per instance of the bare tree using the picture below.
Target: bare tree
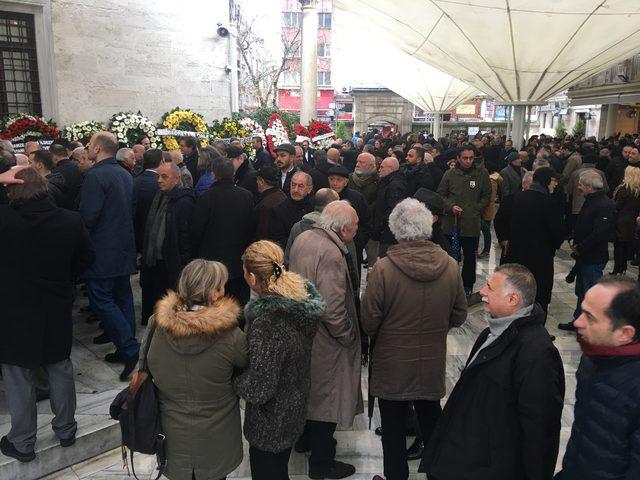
(262, 69)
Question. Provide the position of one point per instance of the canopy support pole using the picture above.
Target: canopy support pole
(437, 125)
(519, 114)
(309, 61)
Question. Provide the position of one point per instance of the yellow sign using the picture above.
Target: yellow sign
(467, 109)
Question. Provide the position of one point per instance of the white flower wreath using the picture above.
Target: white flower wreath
(128, 127)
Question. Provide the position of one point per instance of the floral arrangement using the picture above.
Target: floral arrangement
(81, 131)
(186, 120)
(23, 126)
(301, 131)
(130, 127)
(252, 128)
(277, 133)
(318, 127)
(227, 128)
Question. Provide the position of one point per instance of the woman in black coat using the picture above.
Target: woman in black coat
(627, 200)
(282, 323)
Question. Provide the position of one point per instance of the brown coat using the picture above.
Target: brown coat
(336, 396)
(490, 211)
(414, 296)
(269, 199)
(192, 358)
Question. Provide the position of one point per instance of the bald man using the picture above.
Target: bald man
(392, 189)
(365, 178)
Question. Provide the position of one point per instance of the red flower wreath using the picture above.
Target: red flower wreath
(300, 131)
(25, 124)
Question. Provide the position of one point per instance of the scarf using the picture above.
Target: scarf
(155, 229)
(629, 350)
(361, 180)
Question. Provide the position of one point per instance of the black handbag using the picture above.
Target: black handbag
(138, 410)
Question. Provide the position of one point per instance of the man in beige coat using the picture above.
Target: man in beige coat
(414, 296)
(321, 256)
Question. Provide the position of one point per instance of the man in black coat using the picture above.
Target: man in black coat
(285, 156)
(605, 436)
(166, 247)
(47, 248)
(245, 176)
(43, 163)
(392, 189)
(502, 419)
(270, 197)
(531, 225)
(285, 215)
(417, 173)
(69, 171)
(615, 169)
(590, 243)
(145, 187)
(262, 157)
(223, 226)
(190, 154)
(339, 180)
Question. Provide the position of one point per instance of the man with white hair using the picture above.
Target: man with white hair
(126, 159)
(590, 239)
(185, 174)
(507, 404)
(365, 177)
(321, 256)
(409, 358)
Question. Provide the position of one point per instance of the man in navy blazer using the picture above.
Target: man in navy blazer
(105, 207)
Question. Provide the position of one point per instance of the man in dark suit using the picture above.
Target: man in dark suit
(69, 171)
(262, 157)
(223, 226)
(145, 187)
(308, 153)
(285, 155)
(245, 176)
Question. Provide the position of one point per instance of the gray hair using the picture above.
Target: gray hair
(122, 154)
(527, 176)
(7, 145)
(336, 215)
(306, 176)
(522, 280)
(591, 178)
(77, 153)
(411, 220)
(541, 162)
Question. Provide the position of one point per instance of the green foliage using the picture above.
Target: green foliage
(561, 130)
(579, 129)
(262, 117)
(341, 131)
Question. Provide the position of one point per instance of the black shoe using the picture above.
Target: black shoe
(42, 395)
(101, 339)
(378, 431)
(67, 442)
(9, 450)
(129, 366)
(568, 327)
(115, 357)
(302, 445)
(416, 450)
(336, 470)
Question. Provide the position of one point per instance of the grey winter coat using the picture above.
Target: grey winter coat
(336, 396)
(276, 384)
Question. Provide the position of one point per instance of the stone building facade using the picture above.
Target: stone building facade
(89, 59)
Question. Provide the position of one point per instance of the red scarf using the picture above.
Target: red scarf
(629, 350)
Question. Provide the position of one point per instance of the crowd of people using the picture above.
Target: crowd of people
(250, 271)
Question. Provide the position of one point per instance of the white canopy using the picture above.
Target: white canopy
(517, 51)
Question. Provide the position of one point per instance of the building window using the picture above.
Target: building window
(291, 19)
(19, 83)
(324, 79)
(291, 79)
(324, 49)
(324, 20)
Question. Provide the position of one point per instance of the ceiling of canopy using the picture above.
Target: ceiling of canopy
(429, 88)
(512, 50)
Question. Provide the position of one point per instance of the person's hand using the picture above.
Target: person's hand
(9, 177)
(456, 209)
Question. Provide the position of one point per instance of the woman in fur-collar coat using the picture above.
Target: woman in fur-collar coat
(194, 351)
(282, 323)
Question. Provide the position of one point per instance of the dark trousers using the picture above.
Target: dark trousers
(393, 415)
(588, 276)
(268, 465)
(621, 254)
(112, 300)
(319, 437)
(469, 247)
(154, 282)
(485, 228)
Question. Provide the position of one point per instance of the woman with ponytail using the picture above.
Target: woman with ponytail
(281, 324)
(194, 351)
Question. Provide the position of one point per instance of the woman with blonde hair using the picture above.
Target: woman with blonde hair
(282, 323)
(194, 350)
(627, 200)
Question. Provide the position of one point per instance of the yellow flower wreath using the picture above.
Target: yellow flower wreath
(173, 121)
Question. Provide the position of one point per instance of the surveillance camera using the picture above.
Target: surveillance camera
(223, 30)
(227, 68)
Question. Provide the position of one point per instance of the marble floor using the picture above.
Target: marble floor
(97, 384)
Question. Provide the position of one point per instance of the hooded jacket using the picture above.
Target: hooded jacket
(276, 384)
(192, 358)
(414, 296)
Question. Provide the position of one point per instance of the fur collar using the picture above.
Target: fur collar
(311, 308)
(205, 322)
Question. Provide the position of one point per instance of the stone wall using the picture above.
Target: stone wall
(139, 55)
(375, 105)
